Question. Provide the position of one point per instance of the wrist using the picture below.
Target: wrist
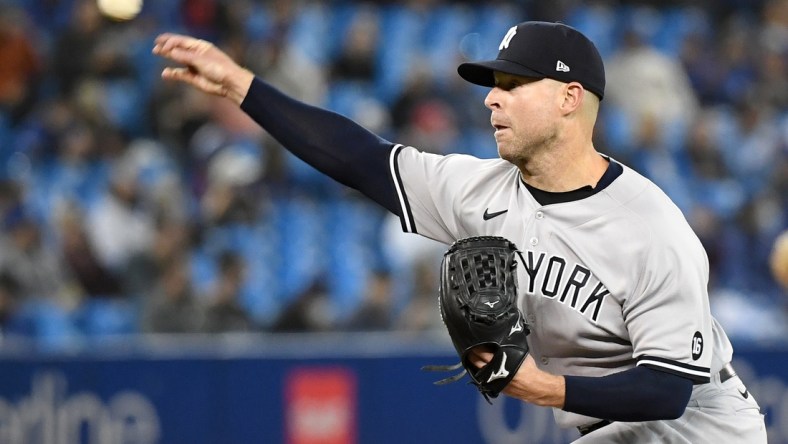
(238, 84)
(553, 393)
(538, 387)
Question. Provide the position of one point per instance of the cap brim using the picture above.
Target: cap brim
(481, 73)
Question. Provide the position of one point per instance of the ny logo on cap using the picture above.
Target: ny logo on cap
(507, 38)
(561, 66)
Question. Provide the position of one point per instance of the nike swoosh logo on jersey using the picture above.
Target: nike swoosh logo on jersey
(487, 215)
(745, 394)
(501, 373)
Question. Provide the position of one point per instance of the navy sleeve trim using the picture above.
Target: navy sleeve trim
(698, 375)
(405, 215)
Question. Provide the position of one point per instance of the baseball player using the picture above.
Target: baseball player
(614, 281)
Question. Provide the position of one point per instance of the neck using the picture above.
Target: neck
(564, 166)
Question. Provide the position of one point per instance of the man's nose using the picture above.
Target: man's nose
(491, 101)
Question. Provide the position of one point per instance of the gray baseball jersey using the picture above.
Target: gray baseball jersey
(611, 281)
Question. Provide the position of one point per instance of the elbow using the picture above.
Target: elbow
(662, 412)
(674, 407)
(675, 412)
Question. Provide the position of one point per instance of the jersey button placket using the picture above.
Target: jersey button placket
(534, 241)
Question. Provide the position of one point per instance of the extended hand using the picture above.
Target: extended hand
(206, 67)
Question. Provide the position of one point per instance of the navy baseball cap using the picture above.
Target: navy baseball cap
(543, 50)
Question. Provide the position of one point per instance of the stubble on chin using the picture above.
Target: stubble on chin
(512, 150)
(519, 150)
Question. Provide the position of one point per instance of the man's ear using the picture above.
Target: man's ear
(573, 96)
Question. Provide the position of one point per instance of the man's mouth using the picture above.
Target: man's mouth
(499, 128)
(498, 124)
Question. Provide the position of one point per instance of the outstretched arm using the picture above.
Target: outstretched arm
(334, 144)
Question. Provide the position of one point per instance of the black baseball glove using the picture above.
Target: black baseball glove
(478, 304)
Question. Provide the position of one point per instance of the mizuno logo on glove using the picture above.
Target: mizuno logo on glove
(501, 373)
(518, 326)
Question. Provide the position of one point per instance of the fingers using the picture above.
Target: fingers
(166, 42)
(182, 56)
(480, 356)
(182, 74)
(189, 76)
(180, 49)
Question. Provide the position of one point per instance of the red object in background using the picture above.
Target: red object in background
(320, 406)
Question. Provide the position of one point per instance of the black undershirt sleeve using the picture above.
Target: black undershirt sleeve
(637, 394)
(331, 143)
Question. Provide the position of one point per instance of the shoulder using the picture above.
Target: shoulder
(647, 202)
(651, 218)
(456, 169)
(408, 154)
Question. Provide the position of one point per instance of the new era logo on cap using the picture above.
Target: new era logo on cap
(539, 50)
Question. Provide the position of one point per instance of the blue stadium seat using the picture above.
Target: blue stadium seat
(402, 27)
(203, 270)
(644, 21)
(125, 105)
(599, 24)
(352, 255)
(308, 30)
(106, 318)
(45, 322)
(262, 289)
(440, 38)
(302, 226)
(341, 18)
(478, 142)
(618, 128)
(343, 96)
(305, 177)
(490, 24)
(679, 23)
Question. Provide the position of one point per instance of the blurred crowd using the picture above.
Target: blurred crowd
(129, 205)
